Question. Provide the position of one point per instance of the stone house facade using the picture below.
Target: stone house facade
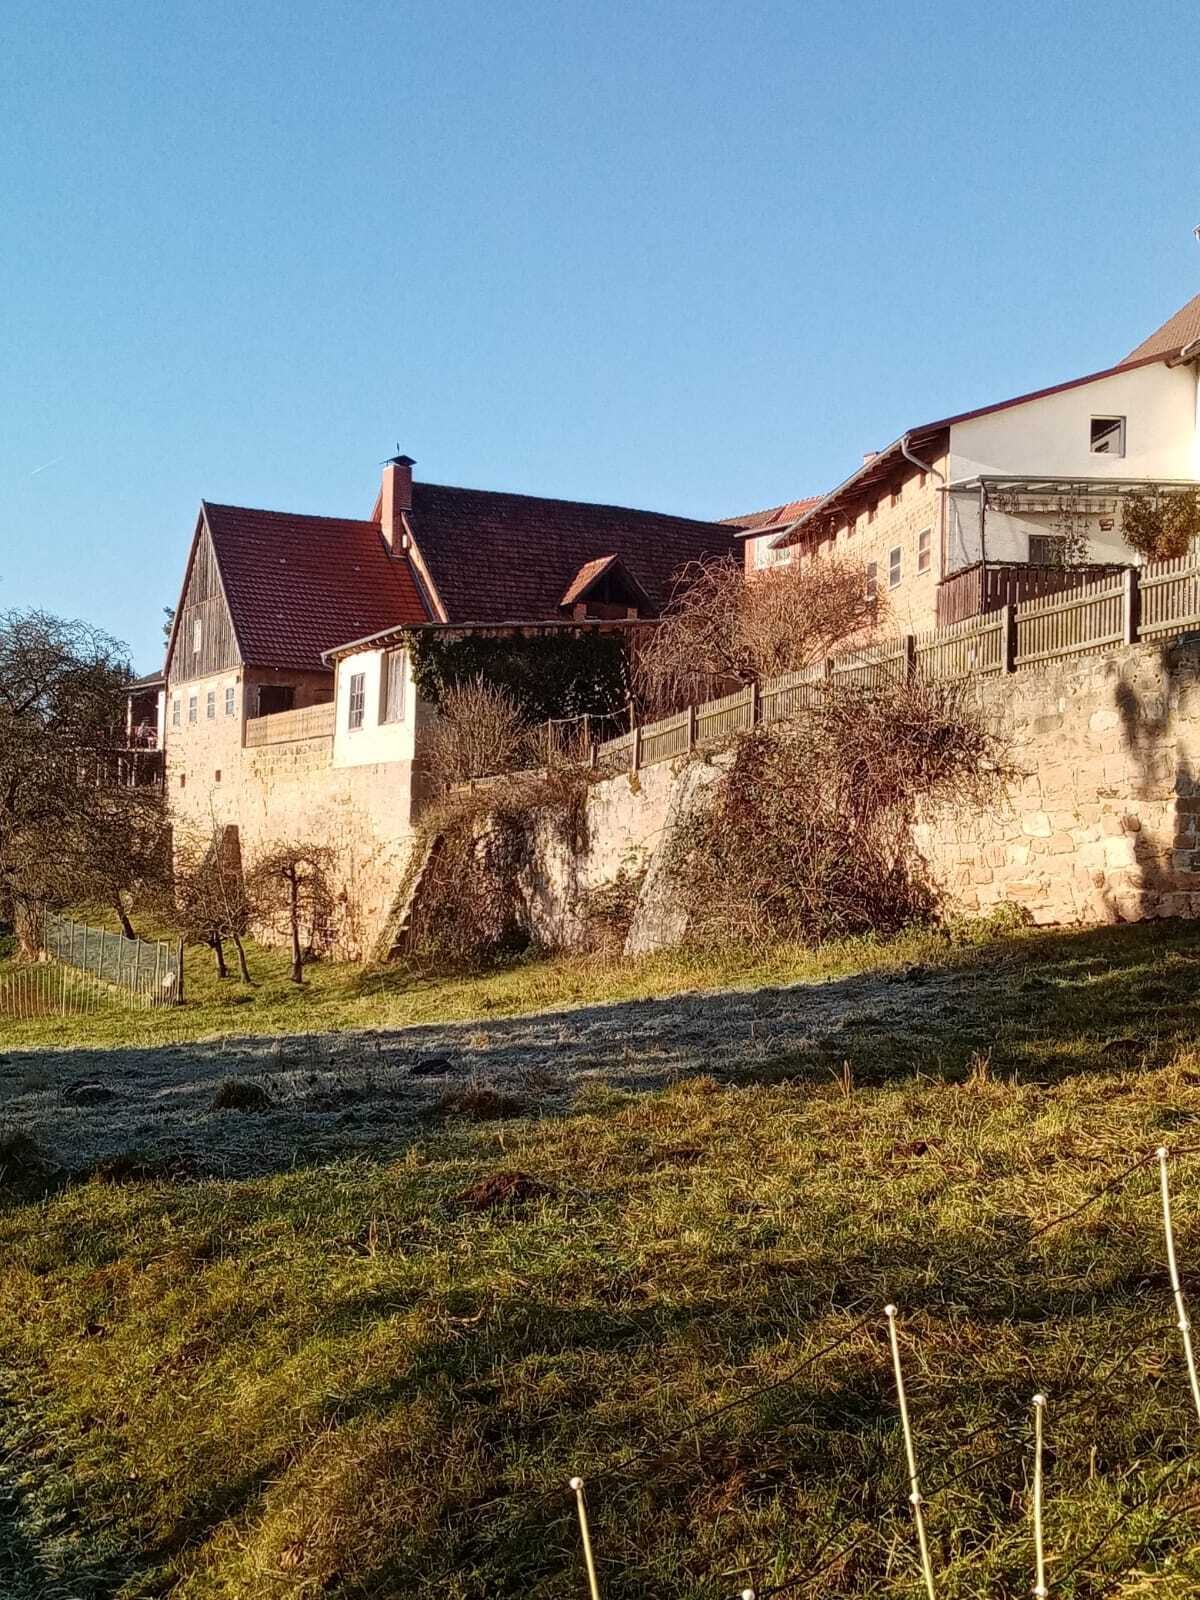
(1017, 489)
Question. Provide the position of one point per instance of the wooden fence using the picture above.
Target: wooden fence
(286, 727)
(1119, 607)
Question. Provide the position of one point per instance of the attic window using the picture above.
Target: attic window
(197, 636)
(1108, 436)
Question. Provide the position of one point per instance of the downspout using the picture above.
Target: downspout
(926, 466)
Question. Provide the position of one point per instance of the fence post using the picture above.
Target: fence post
(179, 981)
(637, 747)
(755, 704)
(1008, 639)
(910, 657)
(1130, 596)
(691, 725)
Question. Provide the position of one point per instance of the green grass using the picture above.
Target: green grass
(343, 1382)
(338, 996)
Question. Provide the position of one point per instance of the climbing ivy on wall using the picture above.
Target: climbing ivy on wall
(553, 675)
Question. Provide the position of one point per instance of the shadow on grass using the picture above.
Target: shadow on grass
(1037, 1007)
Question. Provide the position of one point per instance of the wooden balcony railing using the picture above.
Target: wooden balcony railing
(989, 586)
(286, 727)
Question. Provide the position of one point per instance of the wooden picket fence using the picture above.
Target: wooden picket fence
(1118, 608)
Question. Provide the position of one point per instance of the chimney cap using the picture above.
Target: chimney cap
(400, 461)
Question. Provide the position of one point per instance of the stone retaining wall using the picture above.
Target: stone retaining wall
(1101, 826)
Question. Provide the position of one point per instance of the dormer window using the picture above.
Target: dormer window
(1108, 436)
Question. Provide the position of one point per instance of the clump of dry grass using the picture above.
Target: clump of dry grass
(479, 1102)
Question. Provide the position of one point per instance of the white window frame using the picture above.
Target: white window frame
(871, 587)
(895, 566)
(1117, 454)
(392, 661)
(197, 636)
(230, 700)
(925, 550)
(176, 712)
(356, 702)
(193, 709)
(210, 706)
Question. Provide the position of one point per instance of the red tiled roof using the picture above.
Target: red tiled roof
(1177, 331)
(774, 516)
(298, 585)
(511, 557)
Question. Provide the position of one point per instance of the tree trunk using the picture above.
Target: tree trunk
(294, 909)
(123, 917)
(241, 955)
(27, 924)
(219, 952)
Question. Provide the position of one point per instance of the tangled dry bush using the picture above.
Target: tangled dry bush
(480, 730)
(719, 630)
(472, 909)
(810, 835)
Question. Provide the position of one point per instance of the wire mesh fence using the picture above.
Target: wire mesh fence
(151, 970)
(51, 989)
(86, 969)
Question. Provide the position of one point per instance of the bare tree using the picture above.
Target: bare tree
(212, 901)
(480, 731)
(291, 884)
(721, 628)
(60, 701)
(120, 849)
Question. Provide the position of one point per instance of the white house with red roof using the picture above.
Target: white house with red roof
(964, 513)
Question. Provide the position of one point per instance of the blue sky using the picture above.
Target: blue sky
(689, 256)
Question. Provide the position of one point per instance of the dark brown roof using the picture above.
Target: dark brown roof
(511, 557)
(1177, 331)
(299, 585)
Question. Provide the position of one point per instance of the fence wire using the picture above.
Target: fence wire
(1088, 1392)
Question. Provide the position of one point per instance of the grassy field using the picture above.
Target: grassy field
(363, 1380)
(339, 996)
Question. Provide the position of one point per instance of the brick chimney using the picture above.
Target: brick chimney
(395, 499)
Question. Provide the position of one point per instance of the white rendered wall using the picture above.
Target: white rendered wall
(375, 741)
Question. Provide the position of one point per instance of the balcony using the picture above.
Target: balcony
(288, 727)
(988, 586)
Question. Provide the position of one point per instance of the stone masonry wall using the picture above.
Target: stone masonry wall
(1101, 825)
(291, 793)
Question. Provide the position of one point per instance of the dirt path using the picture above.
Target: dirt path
(372, 1092)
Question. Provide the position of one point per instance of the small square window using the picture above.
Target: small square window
(872, 588)
(894, 568)
(210, 704)
(230, 700)
(192, 708)
(183, 780)
(358, 699)
(217, 775)
(924, 549)
(1108, 436)
(1047, 550)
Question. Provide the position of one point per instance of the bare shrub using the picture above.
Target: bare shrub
(480, 731)
(719, 628)
(472, 909)
(810, 834)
